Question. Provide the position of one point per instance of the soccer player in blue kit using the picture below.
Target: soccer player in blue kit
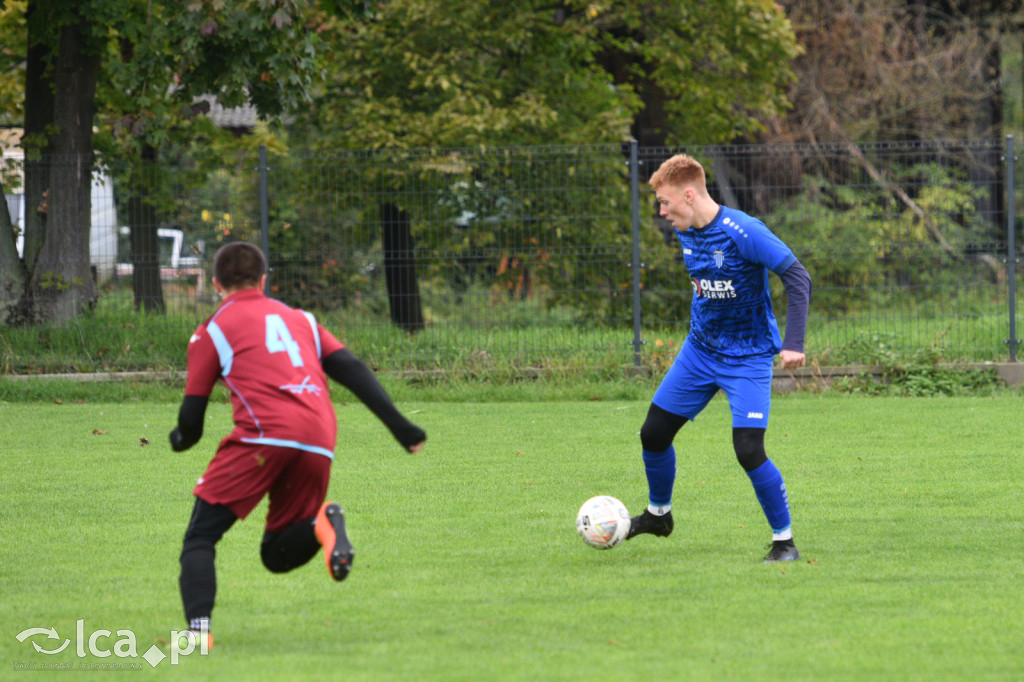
(732, 343)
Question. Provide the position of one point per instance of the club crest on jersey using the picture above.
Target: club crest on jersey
(717, 288)
(719, 258)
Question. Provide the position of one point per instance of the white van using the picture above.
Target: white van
(175, 259)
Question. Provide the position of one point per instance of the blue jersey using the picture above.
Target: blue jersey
(728, 261)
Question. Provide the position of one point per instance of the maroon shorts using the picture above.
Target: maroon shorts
(240, 474)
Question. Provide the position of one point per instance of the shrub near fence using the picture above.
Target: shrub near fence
(554, 255)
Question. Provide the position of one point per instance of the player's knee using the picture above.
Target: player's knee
(659, 429)
(274, 559)
(654, 439)
(196, 545)
(749, 446)
(290, 548)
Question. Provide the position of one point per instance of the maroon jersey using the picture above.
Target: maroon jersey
(268, 355)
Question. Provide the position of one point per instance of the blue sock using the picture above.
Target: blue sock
(661, 475)
(771, 493)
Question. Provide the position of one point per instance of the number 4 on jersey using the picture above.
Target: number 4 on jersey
(279, 340)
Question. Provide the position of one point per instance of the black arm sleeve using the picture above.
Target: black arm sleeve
(350, 372)
(190, 422)
(797, 281)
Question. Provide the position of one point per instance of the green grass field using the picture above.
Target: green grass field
(908, 513)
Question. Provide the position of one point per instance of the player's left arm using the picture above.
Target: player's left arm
(797, 282)
(765, 248)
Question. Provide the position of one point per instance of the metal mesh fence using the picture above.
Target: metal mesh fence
(543, 255)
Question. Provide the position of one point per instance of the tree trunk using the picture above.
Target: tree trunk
(145, 246)
(12, 270)
(988, 120)
(61, 283)
(400, 269)
(37, 143)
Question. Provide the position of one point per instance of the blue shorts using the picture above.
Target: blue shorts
(696, 376)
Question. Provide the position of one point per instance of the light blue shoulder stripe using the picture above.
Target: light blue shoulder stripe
(316, 334)
(291, 444)
(224, 350)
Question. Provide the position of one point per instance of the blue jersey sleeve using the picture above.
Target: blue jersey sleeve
(798, 289)
(760, 245)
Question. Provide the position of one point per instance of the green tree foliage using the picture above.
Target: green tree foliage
(161, 55)
(863, 239)
(12, 55)
(410, 74)
(472, 79)
(258, 52)
(136, 70)
(419, 74)
(708, 72)
(413, 73)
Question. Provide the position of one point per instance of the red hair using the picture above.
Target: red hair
(678, 171)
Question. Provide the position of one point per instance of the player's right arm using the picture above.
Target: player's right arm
(190, 422)
(203, 370)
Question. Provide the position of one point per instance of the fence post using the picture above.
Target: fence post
(634, 186)
(264, 218)
(1011, 249)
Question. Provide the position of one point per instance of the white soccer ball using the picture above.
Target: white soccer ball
(603, 522)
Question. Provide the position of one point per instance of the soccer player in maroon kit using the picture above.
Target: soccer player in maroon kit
(275, 361)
